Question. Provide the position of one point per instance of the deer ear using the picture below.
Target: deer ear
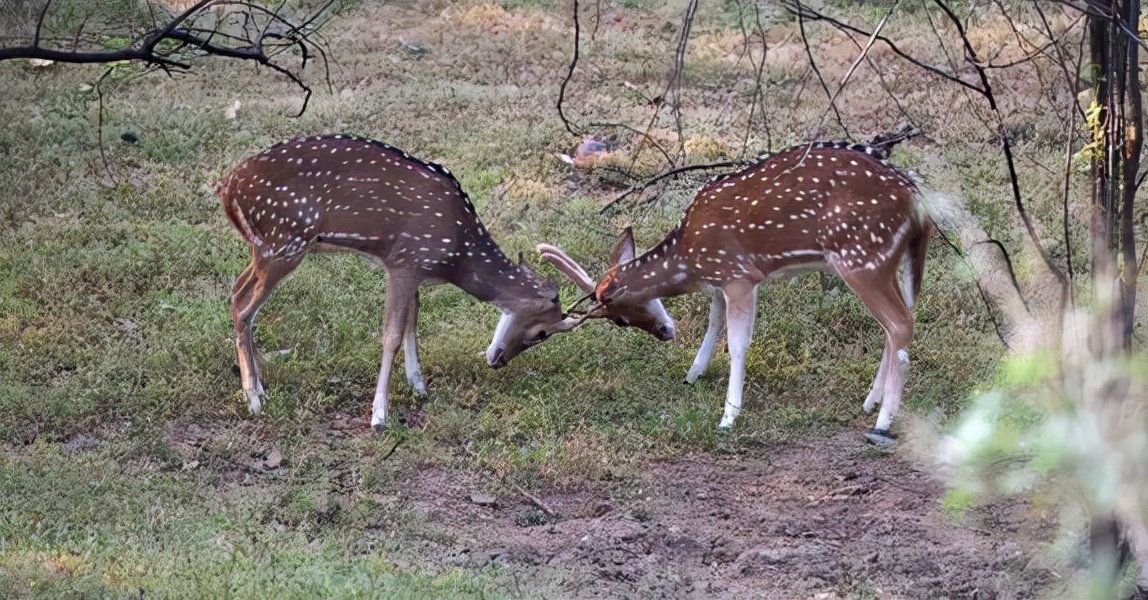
(624, 252)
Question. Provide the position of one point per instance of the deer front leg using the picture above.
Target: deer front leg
(401, 290)
(411, 350)
(741, 310)
(713, 334)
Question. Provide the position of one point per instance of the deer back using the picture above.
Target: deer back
(802, 207)
(357, 194)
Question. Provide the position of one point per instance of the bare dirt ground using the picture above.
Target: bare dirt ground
(818, 518)
(821, 517)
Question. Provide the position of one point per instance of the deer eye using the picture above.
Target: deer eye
(621, 321)
(541, 335)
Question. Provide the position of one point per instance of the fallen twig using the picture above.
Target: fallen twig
(493, 474)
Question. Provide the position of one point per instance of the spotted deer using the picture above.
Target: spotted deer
(342, 193)
(829, 206)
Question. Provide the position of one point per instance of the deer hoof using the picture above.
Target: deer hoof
(255, 400)
(880, 437)
(379, 422)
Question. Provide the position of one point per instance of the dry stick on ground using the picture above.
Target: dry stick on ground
(493, 473)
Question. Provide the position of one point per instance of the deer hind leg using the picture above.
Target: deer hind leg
(886, 302)
(401, 291)
(877, 390)
(740, 299)
(251, 291)
(709, 342)
(411, 349)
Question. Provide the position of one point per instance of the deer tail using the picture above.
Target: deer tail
(224, 189)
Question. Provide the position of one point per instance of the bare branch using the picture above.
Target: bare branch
(986, 90)
(805, 12)
(674, 172)
(570, 73)
(173, 43)
(853, 67)
(817, 72)
(674, 85)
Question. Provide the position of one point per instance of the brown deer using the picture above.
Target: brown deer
(340, 193)
(831, 206)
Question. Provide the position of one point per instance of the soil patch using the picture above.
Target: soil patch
(819, 518)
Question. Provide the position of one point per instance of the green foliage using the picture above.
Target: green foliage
(1073, 432)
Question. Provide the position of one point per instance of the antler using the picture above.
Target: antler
(568, 266)
(574, 271)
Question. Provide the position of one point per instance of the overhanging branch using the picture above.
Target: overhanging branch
(266, 36)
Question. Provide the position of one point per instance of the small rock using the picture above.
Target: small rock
(232, 111)
(190, 465)
(273, 460)
(482, 499)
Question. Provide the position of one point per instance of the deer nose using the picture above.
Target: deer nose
(498, 361)
(665, 333)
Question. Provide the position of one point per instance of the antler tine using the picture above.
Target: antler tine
(567, 265)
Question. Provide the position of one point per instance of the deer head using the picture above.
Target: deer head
(649, 316)
(527, 321)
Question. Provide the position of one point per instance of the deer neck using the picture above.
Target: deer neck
(490, 276)
(659, 273)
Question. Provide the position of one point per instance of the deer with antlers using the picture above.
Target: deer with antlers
(831, 206)
(344, 193)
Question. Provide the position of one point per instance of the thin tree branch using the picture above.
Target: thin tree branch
(570, 73)
(170, 45)
(853, 67)
(1010, 162)
(667, 174)
(804, 12)
(674, 85)
(817, 72)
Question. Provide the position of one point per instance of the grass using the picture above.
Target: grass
(114, 281)
(117, 523)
